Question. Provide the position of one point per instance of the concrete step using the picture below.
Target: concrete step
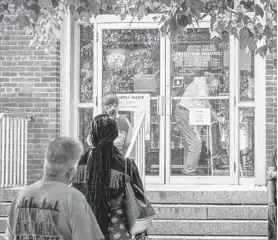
(3, 224)
(152, 237)
(225, 197)
(198, 212)
(199, 227)
(255, 196)
(4, 209)
(210, 212)
(8, 194)
(209, 227)
(159, 237)
(195, 214)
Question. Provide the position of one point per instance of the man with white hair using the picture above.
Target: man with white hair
(198, 88)
(49, 209)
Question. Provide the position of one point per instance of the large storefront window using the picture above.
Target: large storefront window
(200, 106)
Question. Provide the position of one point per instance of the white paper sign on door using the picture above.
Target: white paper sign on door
(138, 104)
(199, 116)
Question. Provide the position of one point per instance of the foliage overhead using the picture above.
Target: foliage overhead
(254, 24)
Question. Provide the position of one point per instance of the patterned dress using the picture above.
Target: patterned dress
(117, 218)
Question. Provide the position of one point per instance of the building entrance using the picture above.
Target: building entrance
(193, 94)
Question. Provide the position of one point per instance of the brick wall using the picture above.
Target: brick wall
(271, 103)
(29, 83)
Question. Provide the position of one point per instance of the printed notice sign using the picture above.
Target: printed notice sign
(145, 83)
(138, 104)
(199, 116)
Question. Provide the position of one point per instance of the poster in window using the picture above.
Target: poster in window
(137, 104)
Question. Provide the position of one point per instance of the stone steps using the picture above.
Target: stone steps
(199, 227)
(206, 196)
(204, 215)
(210, 212)
(198, 212)
(209, 227)
(161, 237)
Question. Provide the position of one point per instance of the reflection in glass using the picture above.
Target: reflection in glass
(85, 119)
(246, 141)
(128, 54)
(246, 64)
(200, 81)
(86, 63)
(131, 64)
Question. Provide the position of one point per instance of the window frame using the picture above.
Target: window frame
(70, 76)
(259, 106)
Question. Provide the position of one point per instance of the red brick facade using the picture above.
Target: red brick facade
(271, 103)
(30, 83)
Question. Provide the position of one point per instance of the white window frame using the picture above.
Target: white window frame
(217, 180)
(259, 105)
(147, 23)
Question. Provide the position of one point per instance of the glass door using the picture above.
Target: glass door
(199, 110)
(131, 62)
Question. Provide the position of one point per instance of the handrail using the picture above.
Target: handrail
(134, 136)
(136, 149)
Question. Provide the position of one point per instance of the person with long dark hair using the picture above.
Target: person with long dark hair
(105, 180)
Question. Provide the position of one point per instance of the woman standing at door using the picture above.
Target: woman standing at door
(111, 107)
(106, 180)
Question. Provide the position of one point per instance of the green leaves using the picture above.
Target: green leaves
(17, 4)
(247, 21)
(23, 21)
(141, 12)
(259, 11)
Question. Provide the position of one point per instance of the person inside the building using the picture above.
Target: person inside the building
(272, 196)
(199, 87)
(50, 208)
(106, 180)
(111, 107)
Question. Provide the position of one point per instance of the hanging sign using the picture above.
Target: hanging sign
(199, 116)
(138, 104)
